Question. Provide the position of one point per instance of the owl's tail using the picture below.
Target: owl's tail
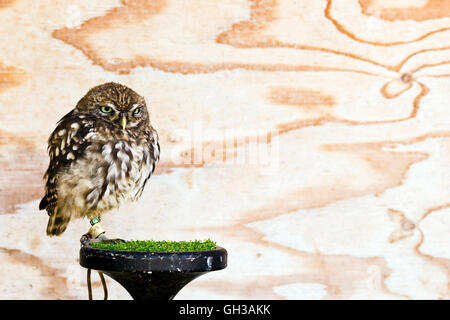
(57, 224)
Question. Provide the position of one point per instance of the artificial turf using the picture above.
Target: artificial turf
(157, 246)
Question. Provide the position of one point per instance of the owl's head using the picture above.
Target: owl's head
(116, 104)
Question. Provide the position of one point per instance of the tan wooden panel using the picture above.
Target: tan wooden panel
(309, 138)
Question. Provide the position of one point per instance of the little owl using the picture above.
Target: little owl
(102, 153)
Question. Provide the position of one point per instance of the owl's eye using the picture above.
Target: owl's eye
(105, 109)
(137, 111)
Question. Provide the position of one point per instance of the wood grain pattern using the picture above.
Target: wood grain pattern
(10, 76)
(309, 138)
(411, 10)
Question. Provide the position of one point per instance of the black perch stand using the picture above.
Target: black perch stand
(153, 275)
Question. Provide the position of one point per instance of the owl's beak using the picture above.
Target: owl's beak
(123, 122)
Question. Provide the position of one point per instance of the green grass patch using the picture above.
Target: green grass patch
(157, 246)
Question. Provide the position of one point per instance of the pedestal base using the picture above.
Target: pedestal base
(153, 275)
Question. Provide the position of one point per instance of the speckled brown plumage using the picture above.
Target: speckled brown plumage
(102, 153)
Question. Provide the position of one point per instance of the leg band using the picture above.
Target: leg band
(94, 220)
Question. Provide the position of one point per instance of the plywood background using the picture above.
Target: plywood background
(309, 138)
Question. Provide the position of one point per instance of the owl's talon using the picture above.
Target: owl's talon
(87, 239)
(101, 237)
(95, 234)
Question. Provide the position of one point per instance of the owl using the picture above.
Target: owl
(102, 154)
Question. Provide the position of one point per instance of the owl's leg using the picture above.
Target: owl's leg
(96, 233)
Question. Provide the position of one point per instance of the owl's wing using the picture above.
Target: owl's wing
(66, 144)
(150, 158)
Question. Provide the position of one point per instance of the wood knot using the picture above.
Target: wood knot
(408, 225)
(406, 77)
